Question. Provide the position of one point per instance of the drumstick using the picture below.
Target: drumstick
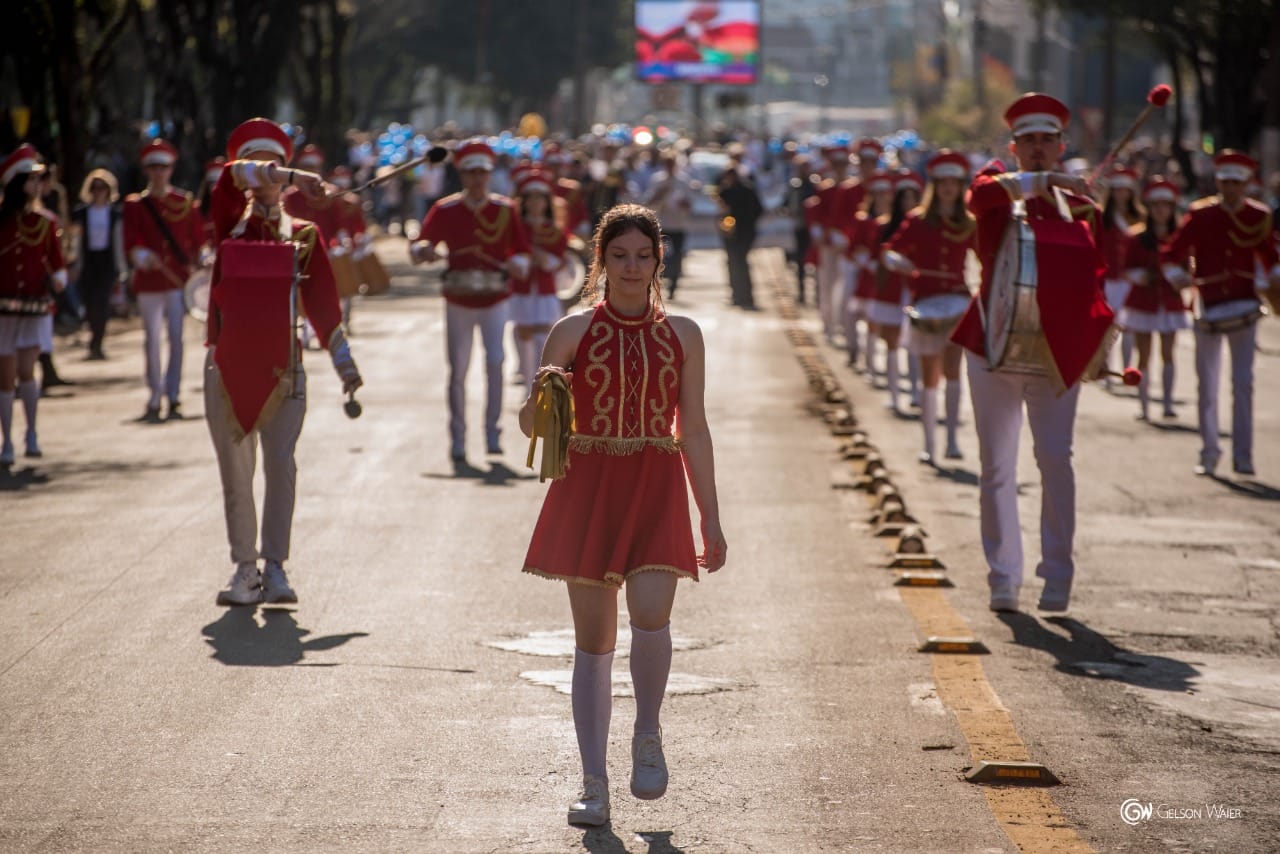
(937, 274)
(437, 154)
(483, 256)
(1156, 98)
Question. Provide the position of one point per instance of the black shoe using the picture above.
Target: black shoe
(175, 411)
(96, 356)
(151, 416)
(494, 451)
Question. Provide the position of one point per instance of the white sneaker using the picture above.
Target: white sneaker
(244, 588)
(592, 807)
(1004, 597)
(276, 585)
(1056, 595)
(648, 766)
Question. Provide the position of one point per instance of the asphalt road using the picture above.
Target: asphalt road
(410, 701)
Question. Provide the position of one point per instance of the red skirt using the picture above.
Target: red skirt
(612, 516)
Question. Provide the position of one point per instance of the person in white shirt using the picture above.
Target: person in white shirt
(670, 196)
(101, 252)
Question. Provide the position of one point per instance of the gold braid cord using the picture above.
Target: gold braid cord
(553, 422)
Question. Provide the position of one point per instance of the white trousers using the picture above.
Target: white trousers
(998, 400)
(1241, 343)
(830, 287)
(460, 325)
(236, 464)
(162, 309)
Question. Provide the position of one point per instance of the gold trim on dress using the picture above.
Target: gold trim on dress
(596, 364)
(617, 447)
(628, 321)
(612, 580)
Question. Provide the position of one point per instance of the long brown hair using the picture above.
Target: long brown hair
(931, 210)
(617, 221)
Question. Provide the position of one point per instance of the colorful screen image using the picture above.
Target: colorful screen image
(697, 42)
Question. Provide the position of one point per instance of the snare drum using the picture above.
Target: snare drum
(345, 276)
(1229, 316)
(939, 314)
(475, 283)
(373, 275)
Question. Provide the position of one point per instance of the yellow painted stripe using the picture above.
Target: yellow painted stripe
(1029, 816)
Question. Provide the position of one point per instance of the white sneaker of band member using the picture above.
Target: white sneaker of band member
(1056, 595)
(276, 585)
(648, 766)
(244, 588)
(1004, 597)
(592, 806)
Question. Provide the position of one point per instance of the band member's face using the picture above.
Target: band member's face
(883, 200)
(1161, 211)
(34, 185)
(1232, 191)
(910, 198)
(159, 173)
(1123, 196)
(475, 182)
(948, 190)
(630, 263)
(1037, 152)
(536, 204)
(867, 165)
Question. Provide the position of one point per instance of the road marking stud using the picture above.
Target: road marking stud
(1012, 774)
(918, 578)
(958, 645)
(911, 541)
(917, 560)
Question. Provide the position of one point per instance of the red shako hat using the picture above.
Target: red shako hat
(948, 164)
(213, 169)
(1122, 178)
(158, 151)
(474, 153)
(880, 182)
(1161, 190)
(259, 135)
(1231, 165)
(1036, 112)
(869, 147)
(311, 157)
(23, 161)
(533, 181)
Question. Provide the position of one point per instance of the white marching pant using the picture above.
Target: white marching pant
(1241, 343)
(236, 464)
(998, 400)
(460, 325)
(162, 310)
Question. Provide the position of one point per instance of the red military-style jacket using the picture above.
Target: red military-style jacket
(1069, 267)
(1226, 248)
(1155, 291)
(576, 215)
(480, 239)
(1113, 241)
(251, 374)
(180, 213)
(834, 206)
(30, 252)
(938, 252)
(327, 214)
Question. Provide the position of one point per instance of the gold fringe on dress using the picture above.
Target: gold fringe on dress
(553, 422)
(611, 580)
(622, 447)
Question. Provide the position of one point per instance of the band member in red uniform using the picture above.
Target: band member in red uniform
(569, 190)
(620, 516)
(31, 261)
(163, 233)
(487, 247)
(1068, 346)
(828, 231)
(865, 236)
(534, 305)
(1153, 305)
(330, 214)
(930, 248)
(1120, 214)
(255, 387)
(1227, 237)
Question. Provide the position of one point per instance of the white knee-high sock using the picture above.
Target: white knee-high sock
(1126, 349)
(6, 417)
(29, 394)
(891, 374)
(592, 708)
(873, 344)
(1168, 375)
(650, 666)
(929, 420)
(913, 375)
(954, 388)
(1144, 398)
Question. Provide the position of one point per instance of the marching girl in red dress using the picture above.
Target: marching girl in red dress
(1120, 214)
(1153, 305)
(884, 303)
(31, 261)
(620, 515)
(534, 305)
(864, 250)
(930, 248)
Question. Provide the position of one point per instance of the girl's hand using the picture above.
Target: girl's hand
(552, 369)
(714, 549)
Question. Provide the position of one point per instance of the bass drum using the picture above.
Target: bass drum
(572, 277)
(195, 293)
(1015, 342)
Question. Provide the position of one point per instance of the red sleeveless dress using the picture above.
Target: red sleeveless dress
(622, 506)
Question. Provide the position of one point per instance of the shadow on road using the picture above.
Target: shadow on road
(238, 639)
(964, 477)
(602, 840)
(498, 474)
(16, 480)
(1251, 489)
(1087, 653)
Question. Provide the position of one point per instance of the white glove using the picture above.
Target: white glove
(839, 239)
(143, 258)
(1176, 276)
(1138, 276)
(896, 262)
(815, 233)
(518, 266)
